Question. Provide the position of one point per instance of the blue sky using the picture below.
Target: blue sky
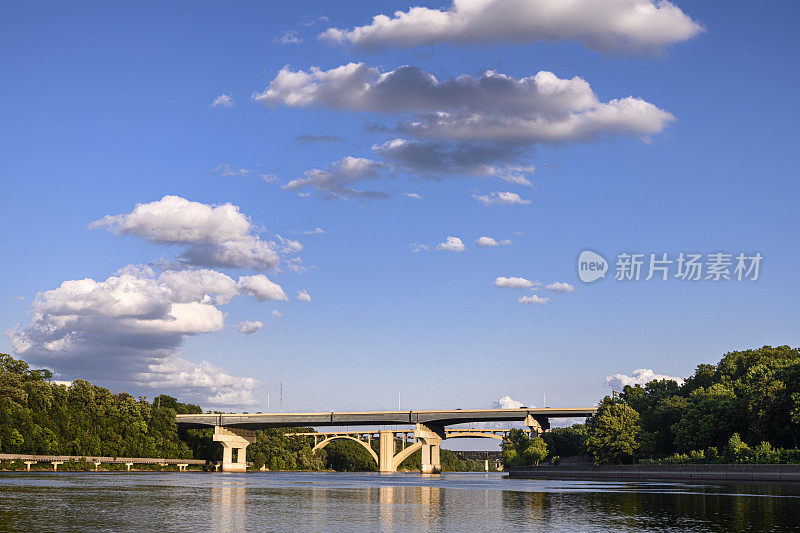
(106, 106)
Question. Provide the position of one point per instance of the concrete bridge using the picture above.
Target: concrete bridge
(237, 431)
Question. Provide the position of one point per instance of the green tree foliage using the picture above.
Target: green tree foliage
(348, 456)
(535, 452)
(612, 433)
(566, 442)
(277, 450)
(39, 417)
(520, 449)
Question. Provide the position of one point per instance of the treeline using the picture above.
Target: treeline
(744, 409)
(44, 418)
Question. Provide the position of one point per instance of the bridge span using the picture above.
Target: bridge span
(237, 431)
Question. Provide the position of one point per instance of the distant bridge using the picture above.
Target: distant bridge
(237, 431)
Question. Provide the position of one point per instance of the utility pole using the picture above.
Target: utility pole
(544, 395)
(268, 402)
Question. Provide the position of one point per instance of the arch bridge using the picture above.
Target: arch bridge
(429, 428)
(390, 459)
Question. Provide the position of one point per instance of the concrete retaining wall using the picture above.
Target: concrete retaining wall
(727, 473)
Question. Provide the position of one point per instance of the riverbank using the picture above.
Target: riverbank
(720, 473)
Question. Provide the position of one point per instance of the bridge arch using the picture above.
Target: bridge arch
(472, 435)
(332, 438)
(403, 455)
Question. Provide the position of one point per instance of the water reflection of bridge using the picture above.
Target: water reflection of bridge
(236, 431)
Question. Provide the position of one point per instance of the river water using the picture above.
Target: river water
(139, 501)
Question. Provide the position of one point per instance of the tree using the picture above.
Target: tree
(612, 432)
(566, 442)
(536, 451)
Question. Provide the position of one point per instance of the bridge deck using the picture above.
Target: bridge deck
(370, 418)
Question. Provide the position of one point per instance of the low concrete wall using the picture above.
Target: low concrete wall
(719, 473)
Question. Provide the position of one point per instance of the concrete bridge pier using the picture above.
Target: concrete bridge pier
(537, 424)
(386, 449)
(430, 438)
(234, 439)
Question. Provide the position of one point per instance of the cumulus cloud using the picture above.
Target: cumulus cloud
(640, 376)
(130, 327)
(276, 314)
(417, 247)
(533, 299)
(335, 181)
(451, 244)
(260, 288)
(493, 106)
(631, 26)
(481, 126)
(213, 235)
(223, 100)
(560, 286)
(506, 402)
(303, 296)
(248, 327)
(489, 242)
(513, 283)
(501, 198)
(434, 158)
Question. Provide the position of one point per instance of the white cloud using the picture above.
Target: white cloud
(451, 244)
(414, 195)
(640, 376)
(501, 198)
(223, 100)
(303, 296)
(226, 170)
(248, 327)
(289, 246)
(632, 26)
(260, 287)
(481, 126)
(214, 235)
(513, 283)
(201, 285)
(489, 242)
(533, 299)
(290, 37)
(506, 402)
(492, 107)
(276, 314)
(315, 231)
(516, 175)
(335, 181)
(419, 247)
(560, 286)
(204, 381)
(129, 328)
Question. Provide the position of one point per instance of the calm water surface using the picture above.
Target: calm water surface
(79, 501)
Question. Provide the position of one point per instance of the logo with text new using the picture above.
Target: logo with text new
(591, 266)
